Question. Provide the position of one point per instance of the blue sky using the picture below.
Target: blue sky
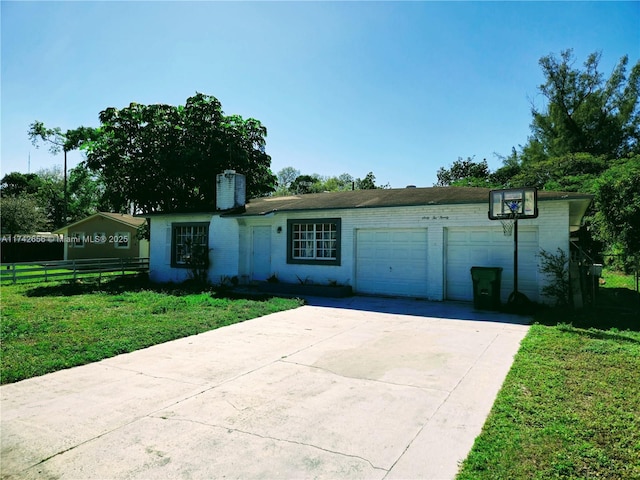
(397, 88)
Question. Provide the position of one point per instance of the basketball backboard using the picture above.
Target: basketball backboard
(513, 202)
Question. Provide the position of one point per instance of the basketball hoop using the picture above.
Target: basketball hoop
(513, 206)
(510, 205)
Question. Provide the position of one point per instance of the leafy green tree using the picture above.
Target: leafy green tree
(342, 182)
(617, 197)
(60, 141)
(20, 215)
(306, 184)
(464, 172)
(46, 188)
(511, 166)
(50, 197)
(368, 182)
(572, 172)
(16, 183)
(584, 113)
(286, 177)
(346, 181)
(165, 158)
(86, 190)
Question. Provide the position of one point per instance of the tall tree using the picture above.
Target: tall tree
(584, 112)
(573, 172)
(86, 190)
(368, 183)
(16, 183)
(306, 184)
(286, 177)
(618, 203)
(20, 215)
(59, 141)
(50, 197)
(165, 158)
(464, 172)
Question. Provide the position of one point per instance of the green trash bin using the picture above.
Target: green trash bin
(486, 287)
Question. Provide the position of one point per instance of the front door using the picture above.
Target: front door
(260, 253)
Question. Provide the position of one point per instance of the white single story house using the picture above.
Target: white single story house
(416, 242)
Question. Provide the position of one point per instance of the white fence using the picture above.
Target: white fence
(71, 269)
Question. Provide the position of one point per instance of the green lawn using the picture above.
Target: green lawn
(50, 326)
(569, 408)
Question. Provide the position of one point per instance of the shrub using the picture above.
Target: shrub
(556, 268)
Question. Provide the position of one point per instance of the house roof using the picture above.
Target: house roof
(391, 197)
(123, 218)
(399, 197)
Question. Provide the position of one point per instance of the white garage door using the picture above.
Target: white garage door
(392, 261)
(488, 247)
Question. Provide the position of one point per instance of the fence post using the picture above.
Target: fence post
(74, 270)
(13, 265)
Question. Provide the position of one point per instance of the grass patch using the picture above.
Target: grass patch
(58, 325)
(569, 407)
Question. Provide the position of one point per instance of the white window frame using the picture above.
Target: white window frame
(181, 232)
(120, 245)
(314, 241)
(79, 239)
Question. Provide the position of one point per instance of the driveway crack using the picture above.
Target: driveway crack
(284, 440)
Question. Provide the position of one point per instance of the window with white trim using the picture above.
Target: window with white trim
(77, 240)
(121, 240)
(187, 241)
(314, 241)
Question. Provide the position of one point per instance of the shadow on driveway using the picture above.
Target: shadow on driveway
(420, 308)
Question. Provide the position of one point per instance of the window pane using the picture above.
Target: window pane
(186, 238)
(314, 241)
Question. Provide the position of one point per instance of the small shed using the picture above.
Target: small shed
(104, 235)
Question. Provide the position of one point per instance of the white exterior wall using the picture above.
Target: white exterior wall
(433, 218)
(223, 244)
(230, 240)
(160, 269)
(552, 224)
(223, 240)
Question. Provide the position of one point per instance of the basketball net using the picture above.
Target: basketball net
(507, 227)
(510, 221)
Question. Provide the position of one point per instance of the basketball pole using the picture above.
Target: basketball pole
(515, 258)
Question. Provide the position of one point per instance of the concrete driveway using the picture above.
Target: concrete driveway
(352, 388)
